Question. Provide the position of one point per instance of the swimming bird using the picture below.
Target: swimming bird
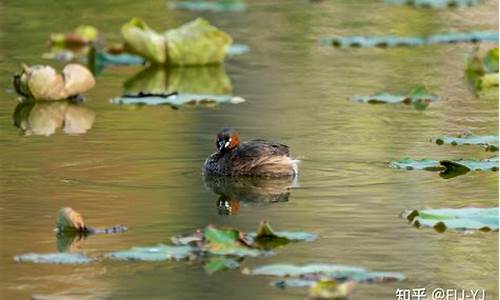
(251, 158)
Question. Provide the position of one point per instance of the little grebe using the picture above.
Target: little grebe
(252, 158)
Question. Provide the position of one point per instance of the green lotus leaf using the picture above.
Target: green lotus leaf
(197, 43)
(142, 40)
(54, 258)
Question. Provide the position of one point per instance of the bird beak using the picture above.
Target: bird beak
(221, 145)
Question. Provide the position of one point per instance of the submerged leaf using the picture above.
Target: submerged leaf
(158, 253)
(213, 6)
(220, 263)
(482, 72)
(489, 142)
(467, 218)
(331, 289)
(54, 258)
(397, 41)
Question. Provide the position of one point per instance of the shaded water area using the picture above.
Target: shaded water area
(141, 166)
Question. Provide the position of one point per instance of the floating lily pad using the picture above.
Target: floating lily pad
(435, 3)
(490, 164)
(398, 41)
(220, 263)
(175, 99)
(158, 253)
(213, 6)
(468, 218)
(419, 96)
(422, 164)
(54, 258)
(307, 275)
(267, 238)
(435, 165)
(489, 142)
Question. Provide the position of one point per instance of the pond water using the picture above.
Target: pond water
(140, 166)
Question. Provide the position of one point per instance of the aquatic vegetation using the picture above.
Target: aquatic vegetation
(331, 289)
(69, 220)
(220, 263)
(267, 238)
(82, 36)
(435, 3)
(54, 258)
(213, 6)
(324, 280)
(482, 72)
(174, 99)
(157, 253)
(447, 168)
(466, 218)
(398, 41)
(419, 96)
(44, 83)
(489, 142)
(194, 43)
(45, 117)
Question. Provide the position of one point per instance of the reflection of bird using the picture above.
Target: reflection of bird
(45, 117)
(252, 190)
(252, 158)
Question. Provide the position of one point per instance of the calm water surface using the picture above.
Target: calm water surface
(141, 166)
